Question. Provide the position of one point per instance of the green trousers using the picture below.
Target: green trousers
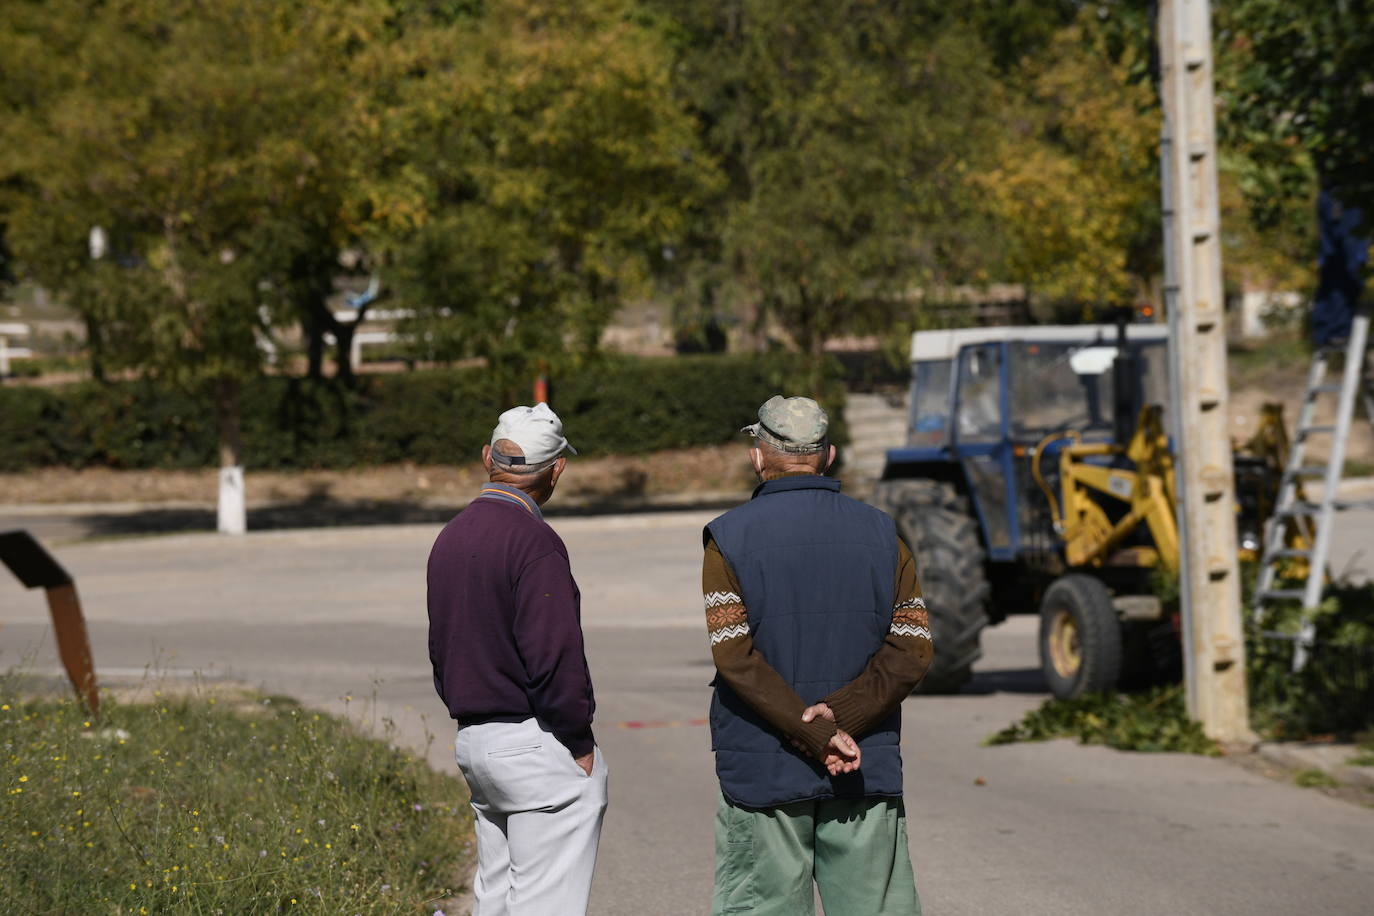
(854, 849)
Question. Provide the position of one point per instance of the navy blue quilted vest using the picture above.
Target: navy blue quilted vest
(816, 570)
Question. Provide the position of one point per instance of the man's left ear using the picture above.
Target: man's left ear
(558, 467)
(831, 459)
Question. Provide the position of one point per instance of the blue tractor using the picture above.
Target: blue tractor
(983, 496)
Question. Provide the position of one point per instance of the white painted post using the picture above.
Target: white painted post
(1214, 643)
(233, 509)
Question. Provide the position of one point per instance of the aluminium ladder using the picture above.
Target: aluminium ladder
(1316, 520)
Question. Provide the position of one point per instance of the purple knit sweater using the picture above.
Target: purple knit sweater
(505, 631)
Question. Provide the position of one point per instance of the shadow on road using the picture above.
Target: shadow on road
(332, 514)
(267, 518)
(1006, 680)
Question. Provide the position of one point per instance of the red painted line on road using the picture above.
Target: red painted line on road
(678, 724)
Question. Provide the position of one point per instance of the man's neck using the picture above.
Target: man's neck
(791, 472)
(515, 486)
(514, 492)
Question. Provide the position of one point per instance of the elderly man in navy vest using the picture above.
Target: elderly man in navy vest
(818, 632)
(505, 640)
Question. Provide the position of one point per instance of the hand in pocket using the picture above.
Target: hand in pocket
(586, 762)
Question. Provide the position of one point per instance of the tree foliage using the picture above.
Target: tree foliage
(549, 166)
(1296, 100)
(199, 138)
(845, 132)
(1075, 186)
(206, 141)
(515, 172)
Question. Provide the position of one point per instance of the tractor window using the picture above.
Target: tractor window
(980, 393)
(1047, 394)
(1154, 371)
(1068, 385)
(929, 403)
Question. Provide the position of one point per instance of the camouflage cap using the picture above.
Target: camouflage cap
(795, 425)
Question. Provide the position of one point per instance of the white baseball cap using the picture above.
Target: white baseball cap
(538, 432)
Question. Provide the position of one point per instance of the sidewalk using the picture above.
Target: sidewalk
(1331, 759)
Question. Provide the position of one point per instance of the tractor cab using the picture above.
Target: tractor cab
(983, 398)
(984, 491)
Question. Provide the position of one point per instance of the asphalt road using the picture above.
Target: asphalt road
(1029, 829)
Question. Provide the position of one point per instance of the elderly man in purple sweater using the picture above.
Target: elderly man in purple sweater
(505, 639)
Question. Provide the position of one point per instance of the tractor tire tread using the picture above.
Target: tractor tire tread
(937, 524)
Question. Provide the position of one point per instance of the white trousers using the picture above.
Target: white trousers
(538, 819)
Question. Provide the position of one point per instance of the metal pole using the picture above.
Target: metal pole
(1214, 645)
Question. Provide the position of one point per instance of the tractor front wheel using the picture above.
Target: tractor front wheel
(1080, 638)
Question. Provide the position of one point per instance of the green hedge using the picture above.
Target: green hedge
(618, 405)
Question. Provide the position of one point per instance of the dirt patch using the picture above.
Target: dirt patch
(1245, 413)
(1276, 370)
(700, 470)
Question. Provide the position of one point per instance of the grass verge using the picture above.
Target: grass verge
(1314, 779)
(199, 804)
(1364, 750)
(1154, 721)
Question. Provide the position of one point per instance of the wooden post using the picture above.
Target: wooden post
(1214, 643)
(36, 568)
(73, 643)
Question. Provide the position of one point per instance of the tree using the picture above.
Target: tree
(544, 165)
(846, 132)
(202, 139)
(1295, 104)
(1075, 187)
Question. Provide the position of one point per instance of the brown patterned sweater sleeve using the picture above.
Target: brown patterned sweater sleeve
(742, 667)
(898, 665)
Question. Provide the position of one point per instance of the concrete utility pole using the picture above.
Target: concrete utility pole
(1213, 642)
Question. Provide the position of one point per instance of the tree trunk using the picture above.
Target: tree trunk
(343, 342)
(320, 321)
(95, 345)
(232, 515)
(807, 332)
(343, 350)
(314, 342)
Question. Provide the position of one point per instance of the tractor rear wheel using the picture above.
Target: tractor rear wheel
(936, 523)
(1080, 637)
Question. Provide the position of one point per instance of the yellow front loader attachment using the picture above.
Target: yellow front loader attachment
(1089, 535)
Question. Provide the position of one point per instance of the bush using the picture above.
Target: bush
(1333, 692)
(250, 804)
(614, 405)
(1154, 721)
